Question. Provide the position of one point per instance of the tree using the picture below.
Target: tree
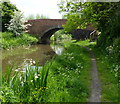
(104, 16)
(7, 13)
(38, 16)
(17, 24)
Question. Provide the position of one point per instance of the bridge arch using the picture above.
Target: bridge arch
(45, 38)
(43, 27)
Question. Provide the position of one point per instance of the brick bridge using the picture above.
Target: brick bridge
(43, 29)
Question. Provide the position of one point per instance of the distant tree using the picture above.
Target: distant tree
(7, 12)
(43, 17)
(37, 16)
(31, 16)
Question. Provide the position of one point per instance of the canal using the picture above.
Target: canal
(22, 57)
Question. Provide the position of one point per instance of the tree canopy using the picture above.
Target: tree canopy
(7, 12)
(105, 16)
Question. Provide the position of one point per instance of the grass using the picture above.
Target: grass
(108, 71)
(64, 79)
(86, 43)
(27, 86)
(108, 78)
(10, 41)
(108, 68)
(69, 76)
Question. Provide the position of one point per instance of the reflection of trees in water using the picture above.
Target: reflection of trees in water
(23, 57)
(58, 49)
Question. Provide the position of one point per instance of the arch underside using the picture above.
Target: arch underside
(45, 39)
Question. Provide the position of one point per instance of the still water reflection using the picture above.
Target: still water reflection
(24, 56)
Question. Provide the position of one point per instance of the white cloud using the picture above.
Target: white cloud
(46, 7)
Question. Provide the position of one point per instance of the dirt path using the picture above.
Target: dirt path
(95, 83)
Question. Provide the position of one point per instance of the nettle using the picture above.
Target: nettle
(17, 24)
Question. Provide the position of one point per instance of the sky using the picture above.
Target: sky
(47, 8)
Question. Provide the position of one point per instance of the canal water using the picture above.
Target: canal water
(22, 57)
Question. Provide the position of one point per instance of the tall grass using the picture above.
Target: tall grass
(28, 85)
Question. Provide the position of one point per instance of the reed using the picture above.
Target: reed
(28, 85)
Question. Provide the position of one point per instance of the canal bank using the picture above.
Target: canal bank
(64, 79)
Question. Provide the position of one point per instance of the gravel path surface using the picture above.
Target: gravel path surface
(95, 83)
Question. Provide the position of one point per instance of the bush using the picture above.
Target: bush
(17, 24)
(9, 41)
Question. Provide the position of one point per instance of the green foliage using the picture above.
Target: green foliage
(28, 85)
(17, 24)
(9, 41)
(103, 15)
(73, 22)
(60, 36)
(108, 67)
(69, 78)
(7, 95)
(111, 32)
(98, 13)
(7, 13)
(64, 79)
(86, 43)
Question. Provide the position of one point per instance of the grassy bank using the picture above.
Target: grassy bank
(10, 41)
(108, 74)
(108, 67)
(69, 77)
(64, 79)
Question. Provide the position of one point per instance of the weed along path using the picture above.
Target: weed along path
(95, 83)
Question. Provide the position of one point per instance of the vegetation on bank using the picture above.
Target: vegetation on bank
(14, 29)
(70, 76)
(64, 79)
(108, 60)
(8, 40)
(104, 16)
(108, 74)
(108, 65)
